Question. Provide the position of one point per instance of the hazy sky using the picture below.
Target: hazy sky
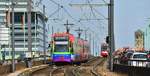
(130, 15)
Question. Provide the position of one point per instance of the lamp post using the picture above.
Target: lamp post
(111, 33)
(12, 37)
(44, 34)
(29, 27)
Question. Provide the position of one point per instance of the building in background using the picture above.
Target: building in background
(21, 28)
(139, 39)
(142, 38)
(147, 37)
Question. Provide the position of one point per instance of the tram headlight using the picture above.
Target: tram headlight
(72, 57)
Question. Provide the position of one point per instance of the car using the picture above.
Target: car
(139, 56)
(126, 56)
(138, 59)
(148, 55)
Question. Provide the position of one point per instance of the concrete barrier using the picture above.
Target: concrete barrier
(36, 63)
(20, 66)
(27, 71)
(6, 69)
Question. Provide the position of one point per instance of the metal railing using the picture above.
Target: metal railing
(139, 63)
(134, 63)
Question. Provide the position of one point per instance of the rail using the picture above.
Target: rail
(89, 61)
(93, 71)
(57, 68)
(75, 71)
(92, 59)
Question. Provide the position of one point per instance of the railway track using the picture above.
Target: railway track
(43, 72)
(85, 69)
(58, 71)
(69, 71)
(90, 68)
(91, 61)
(66, 70)
(75, 71)
(94, 69)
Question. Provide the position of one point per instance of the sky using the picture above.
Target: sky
(129, 15)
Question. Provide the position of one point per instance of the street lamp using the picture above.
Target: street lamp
(12, 38)
(111, 32)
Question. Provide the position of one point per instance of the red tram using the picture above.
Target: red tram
(104, 50)
(67, 48)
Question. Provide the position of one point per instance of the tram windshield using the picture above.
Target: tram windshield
(61, 48)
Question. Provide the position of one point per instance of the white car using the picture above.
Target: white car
(138, 59)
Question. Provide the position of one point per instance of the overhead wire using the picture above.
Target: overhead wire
(100, 14)
(54, 12)
(59, 8)
(104, 1)
(94, 13)
(55, 2)
(91, 8)
(69, 14)
(84, 14)
(72, 16)
(65, 11)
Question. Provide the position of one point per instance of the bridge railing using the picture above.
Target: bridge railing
(135, 63)
(139, 63)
